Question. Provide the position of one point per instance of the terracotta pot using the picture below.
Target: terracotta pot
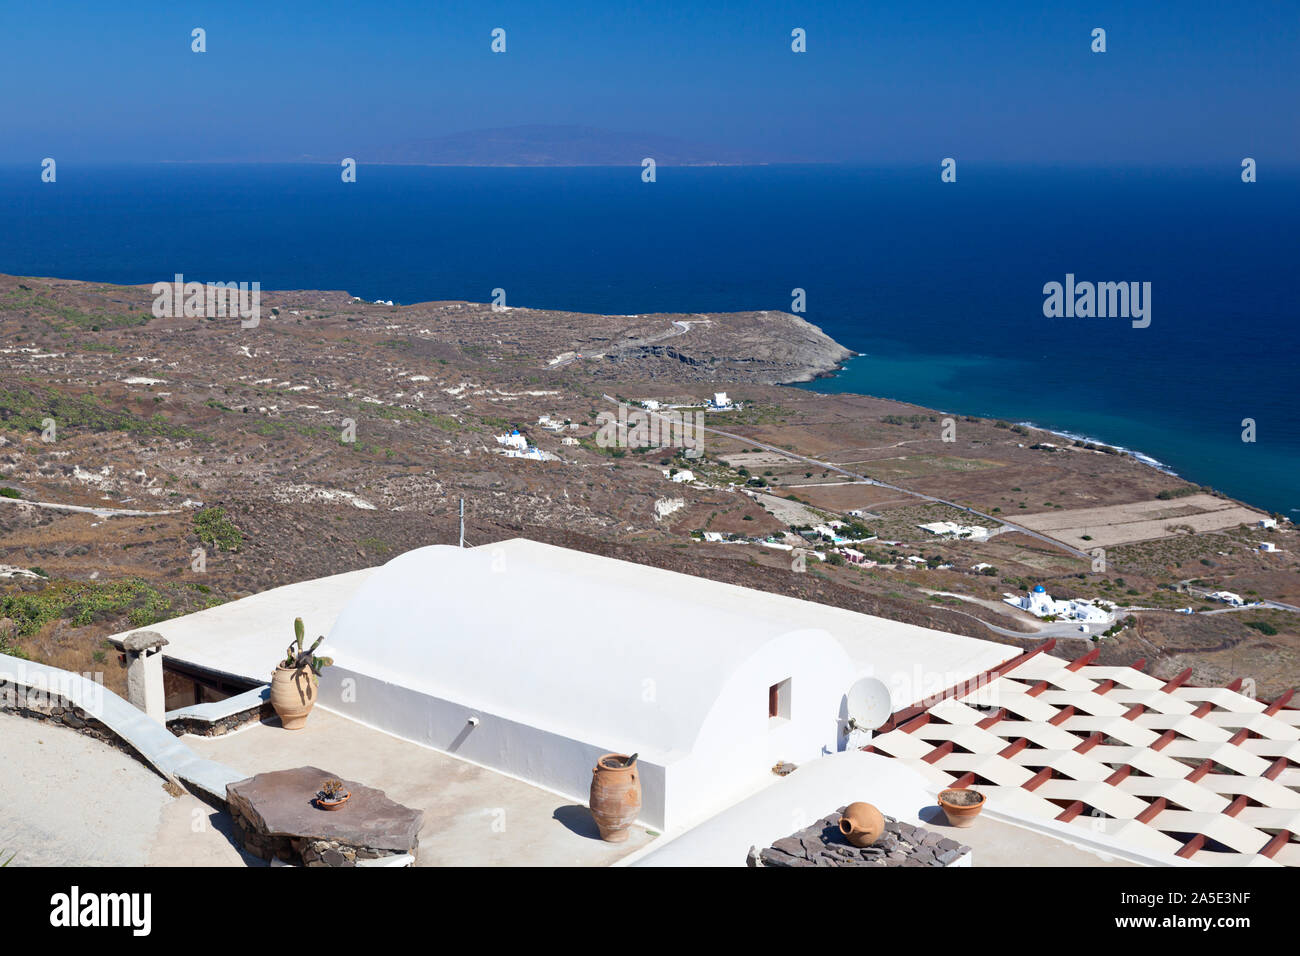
(332, 804)
(862, 824)
(961, 805)
(615, 796)
(293, 695)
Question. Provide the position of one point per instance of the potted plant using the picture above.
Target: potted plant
(332, 794)
(961, 805)
(293, 685)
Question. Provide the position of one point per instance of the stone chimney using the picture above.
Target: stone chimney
(144, 672)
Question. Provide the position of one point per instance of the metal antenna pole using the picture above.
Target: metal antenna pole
(462, 522)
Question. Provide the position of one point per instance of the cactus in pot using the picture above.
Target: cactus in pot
(293, 685)
(298, 659)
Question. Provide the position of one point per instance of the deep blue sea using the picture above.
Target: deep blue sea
(938, 285)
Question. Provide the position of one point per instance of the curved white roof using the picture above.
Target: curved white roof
(589, 646)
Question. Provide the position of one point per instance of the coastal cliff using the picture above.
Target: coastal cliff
(761, 348)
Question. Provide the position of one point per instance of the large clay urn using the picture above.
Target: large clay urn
(615, 795)
(862, 824)
(293, 695)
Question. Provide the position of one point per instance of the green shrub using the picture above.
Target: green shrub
(214, 528)
(83, 603)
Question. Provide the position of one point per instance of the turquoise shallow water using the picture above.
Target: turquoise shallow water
(939, 285)
(1019, 390)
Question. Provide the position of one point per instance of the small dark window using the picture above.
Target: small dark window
(778, 700)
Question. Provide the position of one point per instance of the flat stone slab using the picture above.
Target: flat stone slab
(281, 804)
(143, 641)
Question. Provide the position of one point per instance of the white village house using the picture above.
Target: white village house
(434, 654)
(1041, 604)
(950, 529)
(517, 446)
(1227, 597)
(513, 440)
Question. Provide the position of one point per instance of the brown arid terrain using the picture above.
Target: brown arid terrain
(153, 466)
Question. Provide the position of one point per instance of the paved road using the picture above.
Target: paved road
(883, 484)
(1057, 630)
(1274, 605)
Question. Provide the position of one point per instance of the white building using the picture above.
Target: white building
(531, 453)
(854, 556)
(1227, 597)
(469, 652)
(684, 475)
(1041, 604)
(513, 440)
(1268, 522)
(950, 529)
(516, 446)
(1268, 547)
(720, 401)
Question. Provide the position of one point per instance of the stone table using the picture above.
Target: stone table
(278, 818)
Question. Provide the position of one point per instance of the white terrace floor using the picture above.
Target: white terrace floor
(70, 800)
(472, 816)
(994, 843)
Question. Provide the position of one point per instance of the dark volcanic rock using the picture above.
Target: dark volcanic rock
(822, 844)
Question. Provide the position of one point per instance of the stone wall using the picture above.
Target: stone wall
(40, 704)
(217, 728)
(303, 850)
(331, 853)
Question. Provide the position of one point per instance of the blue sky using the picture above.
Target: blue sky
(1185, 83)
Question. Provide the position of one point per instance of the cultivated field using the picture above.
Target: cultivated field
(1140, 520)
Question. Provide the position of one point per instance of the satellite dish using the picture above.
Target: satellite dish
(869, 704)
